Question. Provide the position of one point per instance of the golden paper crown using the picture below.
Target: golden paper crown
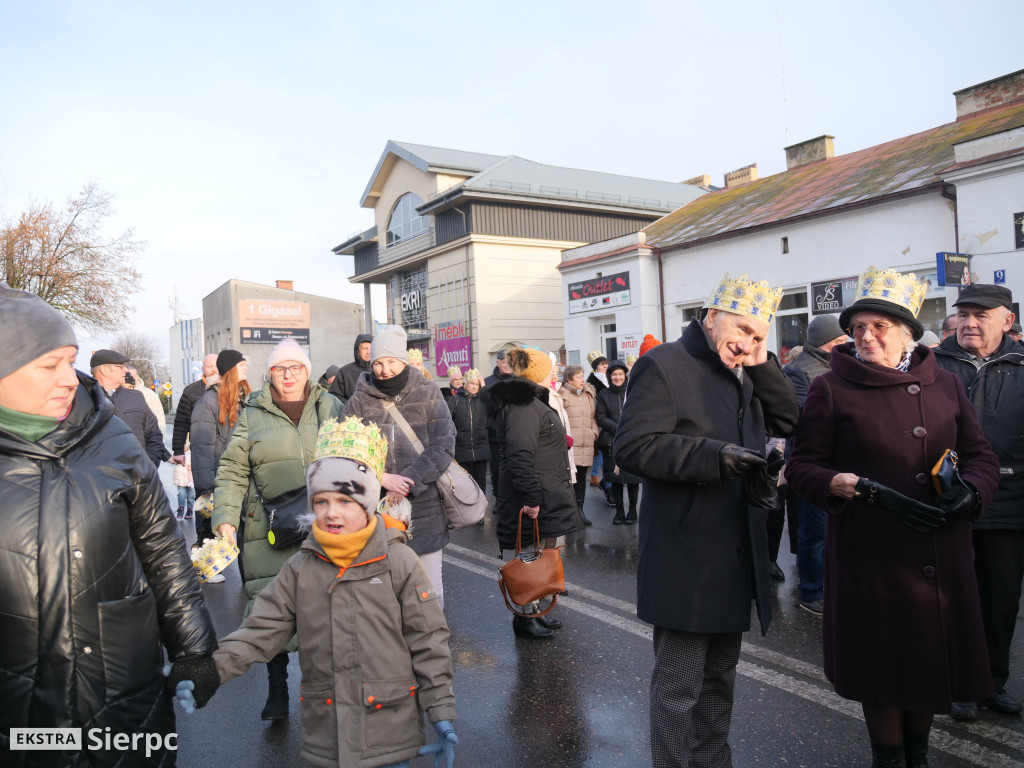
(204, 505)
(214, 556)
(742, 296)
(473, 373)
(595, 355)
(415, 355)
(890, 285)
(354, 440)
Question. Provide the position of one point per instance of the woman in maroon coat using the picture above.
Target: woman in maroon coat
(902, 626)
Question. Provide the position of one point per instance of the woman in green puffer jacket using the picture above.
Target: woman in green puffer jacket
(268, 455)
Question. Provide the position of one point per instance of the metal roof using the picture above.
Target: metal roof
(435, 159)
(903, 166)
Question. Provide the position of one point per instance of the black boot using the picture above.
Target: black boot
(277, 698)
(917, 749)
(530, 629)
(608, 498)
(620, 510)
(887, 756)
(549, 622)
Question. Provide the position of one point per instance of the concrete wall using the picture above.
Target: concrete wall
(334, 326)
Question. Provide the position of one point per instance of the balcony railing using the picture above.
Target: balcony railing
(409, 245)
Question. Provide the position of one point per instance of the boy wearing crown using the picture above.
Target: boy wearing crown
(693, 427)
(373, 642)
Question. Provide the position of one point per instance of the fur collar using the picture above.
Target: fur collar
(517, 391)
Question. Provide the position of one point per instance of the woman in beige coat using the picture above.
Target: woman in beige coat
(580, 401)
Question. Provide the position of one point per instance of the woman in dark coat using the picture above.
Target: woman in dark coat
(902, 624)
(535, 476)
(214, 418)
(609, 407)
(97, 582)
(472, 450)
(392, 385)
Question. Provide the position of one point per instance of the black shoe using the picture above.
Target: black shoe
(608, 498)
(817, 607)
(776, 572)
(276, 707)
(619, 518)
(887, 756)
(916, 747)
(631, 517)
(531, 629)
(549, 623)
(1002, 702)
(586, 520)
(964, 710)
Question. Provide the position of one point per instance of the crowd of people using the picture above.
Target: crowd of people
(917, 579)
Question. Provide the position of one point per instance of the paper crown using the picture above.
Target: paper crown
(352, 439)
(415, 355)
(454, 372)
(204, 505)
(742, 296)
(473, 373)
(597, 354)
(889, 285)
(214, 556)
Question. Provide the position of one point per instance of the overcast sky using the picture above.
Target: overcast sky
(238, 136)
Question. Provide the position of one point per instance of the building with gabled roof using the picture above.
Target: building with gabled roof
(468, 244)
(957, 188)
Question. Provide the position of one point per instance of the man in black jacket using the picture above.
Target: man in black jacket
(183, 413)
(502, 372)
(694, 423)
(990, 365)
(344, 384)
(109, 369)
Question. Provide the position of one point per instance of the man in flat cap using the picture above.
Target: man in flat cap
(109, 369)
(695, 421)
(990, 365)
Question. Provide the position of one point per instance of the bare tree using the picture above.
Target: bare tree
(145, 354)
(63, 257)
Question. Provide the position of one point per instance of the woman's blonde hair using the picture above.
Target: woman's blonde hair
(228, 396)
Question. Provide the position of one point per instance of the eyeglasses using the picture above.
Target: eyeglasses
(878, 330)
(292, 369)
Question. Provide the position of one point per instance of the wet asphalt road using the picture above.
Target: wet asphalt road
(580, 700)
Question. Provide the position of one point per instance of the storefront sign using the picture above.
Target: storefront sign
(268, 322)
(833, 296)
(599, 293)
(954, 268)
(449, 330)
(629, 344)
(449, 352)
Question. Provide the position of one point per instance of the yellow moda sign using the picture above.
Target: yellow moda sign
(268, 322)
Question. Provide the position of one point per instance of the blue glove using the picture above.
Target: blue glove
(183, 693)
(443, 749)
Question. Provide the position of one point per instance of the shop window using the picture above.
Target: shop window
(405, 222)
(791, 323)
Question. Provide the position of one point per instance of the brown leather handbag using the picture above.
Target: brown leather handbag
(531, 576)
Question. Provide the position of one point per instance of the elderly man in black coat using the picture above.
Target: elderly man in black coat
(694, 424)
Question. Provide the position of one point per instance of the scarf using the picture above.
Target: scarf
(292, 408)
(902, 365)
(27, 426)
(343, 548)
(394, 385)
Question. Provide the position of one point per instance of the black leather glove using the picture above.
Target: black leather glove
(958, 503)
(201, 670)
(761, 485)
(912, 513)
(735, 461)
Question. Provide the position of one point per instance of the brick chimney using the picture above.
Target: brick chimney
(704, 180)
(743, 175)
(285, 285)
(810, 151)
(991, 93)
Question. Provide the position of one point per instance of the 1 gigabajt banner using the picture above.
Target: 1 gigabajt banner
(449, 352)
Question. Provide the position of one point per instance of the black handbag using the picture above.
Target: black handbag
(283, 513)
(945, 473)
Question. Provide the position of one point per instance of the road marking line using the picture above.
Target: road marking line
(940, 739)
